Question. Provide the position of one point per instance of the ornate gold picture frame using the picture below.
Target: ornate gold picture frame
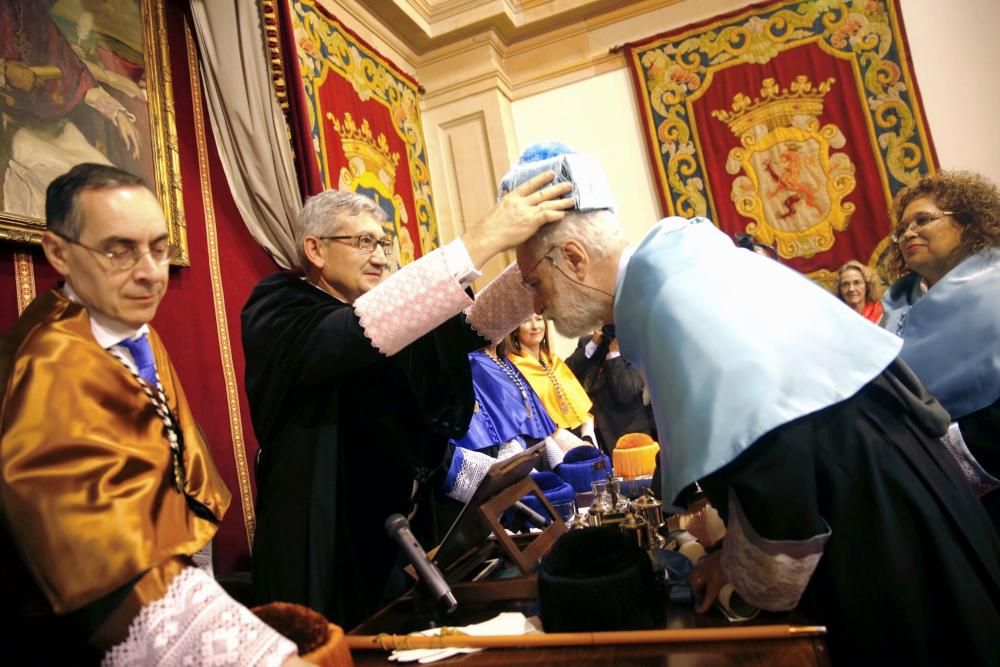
(85, 82)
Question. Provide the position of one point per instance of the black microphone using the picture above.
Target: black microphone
(398, 528)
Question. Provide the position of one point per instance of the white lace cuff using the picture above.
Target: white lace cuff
(982, 482)
(768, 574)
(460, 263)
(554, 454)
(510, 448)
(410, 303)
(197, 623)
(501, 306)
(469, 468)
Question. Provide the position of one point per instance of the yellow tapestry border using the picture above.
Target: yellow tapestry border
(403, 107)
(218, 296)
(650, 126)
(911, 86)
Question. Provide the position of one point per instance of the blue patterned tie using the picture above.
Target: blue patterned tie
(142, 353)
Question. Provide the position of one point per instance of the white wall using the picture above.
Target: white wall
(955, 53)
(599, 117)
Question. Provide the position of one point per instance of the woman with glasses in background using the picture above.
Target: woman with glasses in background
(945, 305)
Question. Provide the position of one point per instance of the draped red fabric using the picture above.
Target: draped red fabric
(793, 121)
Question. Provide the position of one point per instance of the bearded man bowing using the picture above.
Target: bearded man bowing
(810, 436)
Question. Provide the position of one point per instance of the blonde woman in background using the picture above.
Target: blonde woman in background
(861, 289)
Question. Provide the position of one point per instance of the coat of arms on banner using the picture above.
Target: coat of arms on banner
(357, 124)
(371, 171)
(795, 121)
(792, 186)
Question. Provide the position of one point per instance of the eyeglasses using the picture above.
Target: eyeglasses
(125, 256)
(917, 222)
(526, 280)
(363, 242)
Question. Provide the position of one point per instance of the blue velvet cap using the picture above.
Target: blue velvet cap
(577, 468)
(554, 489)
(590, 187)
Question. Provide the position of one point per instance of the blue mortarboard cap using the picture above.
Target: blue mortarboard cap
(590, 187)
(544, 150)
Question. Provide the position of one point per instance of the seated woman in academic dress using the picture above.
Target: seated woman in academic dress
(561, 393)
(507, 418)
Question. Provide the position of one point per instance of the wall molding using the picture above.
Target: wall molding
(536, 45)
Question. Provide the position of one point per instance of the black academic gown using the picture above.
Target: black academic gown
(343, 432)
(615, 387)
(981, 432)
(910, 574)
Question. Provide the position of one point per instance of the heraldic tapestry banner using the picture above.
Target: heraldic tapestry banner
(361, 124)
(795, 122)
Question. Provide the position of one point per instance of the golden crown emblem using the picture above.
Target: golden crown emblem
(360, 143)
(776, 107)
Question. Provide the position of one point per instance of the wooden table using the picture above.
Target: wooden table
(402, 617)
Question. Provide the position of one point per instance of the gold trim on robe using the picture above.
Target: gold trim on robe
(576, 408)
(87, 496)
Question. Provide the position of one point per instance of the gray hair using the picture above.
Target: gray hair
(324, 215)
(598, 231)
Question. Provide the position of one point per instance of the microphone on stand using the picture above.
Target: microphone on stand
(398, 528)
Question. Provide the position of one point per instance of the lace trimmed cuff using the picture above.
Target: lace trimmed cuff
(769, 574)
(410, 303)
(501, 306)
(468, 469)
(982, 482)
(510, 448)
(197, 623)
(554, 454)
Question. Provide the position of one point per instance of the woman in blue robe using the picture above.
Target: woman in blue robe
(507, 418)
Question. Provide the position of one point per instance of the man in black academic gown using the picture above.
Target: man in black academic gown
(356, 383)
(614, 385)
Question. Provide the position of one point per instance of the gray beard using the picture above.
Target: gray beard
(574, 313)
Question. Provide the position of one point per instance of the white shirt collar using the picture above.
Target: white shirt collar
(622, 266)
(107, 332)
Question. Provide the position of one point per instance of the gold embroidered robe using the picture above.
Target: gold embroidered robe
(88, 504)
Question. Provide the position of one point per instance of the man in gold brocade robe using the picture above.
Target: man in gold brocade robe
(106, 485)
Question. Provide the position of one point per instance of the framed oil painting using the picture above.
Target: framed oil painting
(84, 81)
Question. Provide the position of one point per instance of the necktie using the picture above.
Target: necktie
(142, 353)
